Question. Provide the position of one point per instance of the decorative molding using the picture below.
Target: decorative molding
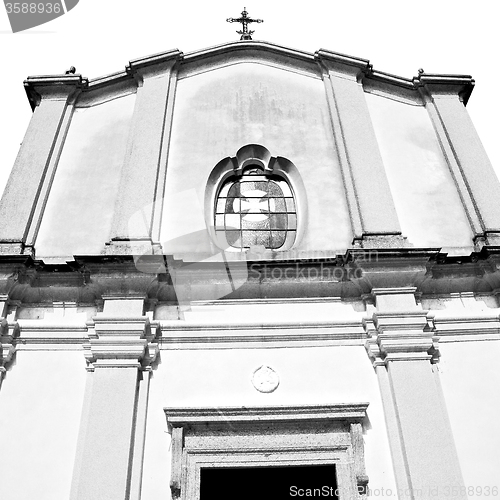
(9, 331)
(121, 342)
(16, 248)
(356, 431)
(446, 85)
(265, 379)
(55, 87)
(199, 416)
(154, 62)
(306, 63)
(389, 240)
(280, 436)
(337, 63)
(399, 332)
(231, 168)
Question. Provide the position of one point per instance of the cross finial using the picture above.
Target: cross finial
(245, 20)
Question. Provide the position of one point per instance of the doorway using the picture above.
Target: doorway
(268, 483)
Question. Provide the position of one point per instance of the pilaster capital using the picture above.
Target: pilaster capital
(121, 342)
(154, 65)
(342, 64)
(399, 330)
(53, 87)
(9, 330)
(401, 336)
(454, 86)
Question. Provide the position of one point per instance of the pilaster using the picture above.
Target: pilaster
(120, 349)
(372, 209)
(478, 186)
(403, 349)
(141, 188)
(52, 98)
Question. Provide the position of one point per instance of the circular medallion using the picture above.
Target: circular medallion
(265, 379)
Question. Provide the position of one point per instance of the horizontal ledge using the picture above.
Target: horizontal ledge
(178, 417)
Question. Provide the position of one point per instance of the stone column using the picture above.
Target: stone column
(52, 98)
(372, 209)
(403, 350)
(119, 352)
(143, 176)
(478, 186)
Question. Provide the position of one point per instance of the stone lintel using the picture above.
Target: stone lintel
(180, 417)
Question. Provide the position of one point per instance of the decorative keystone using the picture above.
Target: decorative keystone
(117, 342)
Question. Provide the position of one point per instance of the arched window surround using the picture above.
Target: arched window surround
(254, 155)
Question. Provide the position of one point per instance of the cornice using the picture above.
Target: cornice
(57, 87)
(278, 55)
(254, 45)
(398, 81)
(160, 57)
(456, 324)
(181, 417)
(349, 276)
(445, 85)
(231, 53)
(154, 64)
(342, 63)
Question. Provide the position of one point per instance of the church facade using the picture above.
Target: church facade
(250, 265)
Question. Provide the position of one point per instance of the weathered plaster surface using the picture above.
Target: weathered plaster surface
(40, 409)
(427, 202)
(470, 379)
(79, 211)
(218, 112)
(223, 378)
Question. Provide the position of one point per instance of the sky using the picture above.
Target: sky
(100, 37)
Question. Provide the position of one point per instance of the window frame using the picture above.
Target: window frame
(234, 167)
(291, 225)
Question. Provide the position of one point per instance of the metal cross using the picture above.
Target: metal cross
(245, 21)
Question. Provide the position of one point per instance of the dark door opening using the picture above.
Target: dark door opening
(269, 483)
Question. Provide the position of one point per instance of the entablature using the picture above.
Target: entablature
(163, 278)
